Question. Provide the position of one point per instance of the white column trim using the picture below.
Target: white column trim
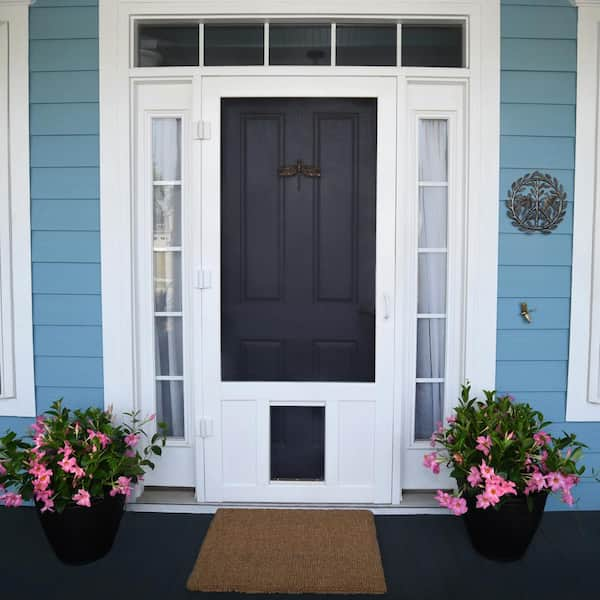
(583, 390)
(16, 337)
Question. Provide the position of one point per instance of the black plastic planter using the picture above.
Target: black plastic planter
(81, 535)
(504, 534)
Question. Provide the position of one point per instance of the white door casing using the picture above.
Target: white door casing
(127, 345)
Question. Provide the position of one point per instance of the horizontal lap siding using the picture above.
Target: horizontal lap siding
(538, 95)
(65, 217)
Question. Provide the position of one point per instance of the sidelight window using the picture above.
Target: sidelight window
(432, 275)
(167, 273)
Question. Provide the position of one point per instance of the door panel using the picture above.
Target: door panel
(298, 253)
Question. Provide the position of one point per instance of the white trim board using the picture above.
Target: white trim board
(583, 391)
(16, 330)
(482, 83)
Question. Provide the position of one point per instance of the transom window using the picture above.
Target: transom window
(378, 44)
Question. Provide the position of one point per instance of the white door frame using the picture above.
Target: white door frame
(481, 78)
(333, 395)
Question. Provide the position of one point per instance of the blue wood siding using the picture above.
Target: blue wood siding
(538, 95)
(65, 219)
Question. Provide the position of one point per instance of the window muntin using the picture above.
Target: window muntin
(167, 272)
(432, 274)
(429, 44)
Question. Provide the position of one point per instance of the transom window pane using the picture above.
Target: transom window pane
(233, 45)
(432, 45)
(168, 45)
(300, 44)
(432, 275)
(368, 45)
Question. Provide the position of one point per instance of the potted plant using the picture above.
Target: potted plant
(505, 464)
(78, 467)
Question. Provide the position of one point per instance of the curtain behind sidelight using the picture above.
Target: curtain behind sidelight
(167, 250)
(432, 275)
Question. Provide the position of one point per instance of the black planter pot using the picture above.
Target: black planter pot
(504, 534)
(81, 535)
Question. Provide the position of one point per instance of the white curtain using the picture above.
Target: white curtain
(166, 163)
(432, 265)
(166, 145)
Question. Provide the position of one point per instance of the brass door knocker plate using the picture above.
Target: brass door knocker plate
(299, 169)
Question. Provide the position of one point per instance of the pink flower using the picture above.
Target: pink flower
(474, 477)
(152, 417)
(443, 499)
(130, 453)
(482, 501)
(430, 462)
(567, 498)
(38, 426)
(2, 469)
(11, 499)
(123, 486)
(536, 483)
(69, 465)
(82, 498)
(458, 506)
(555, 481)
(485, 470)
(492, 494)
(542, 438)
(132, 439)
(46, 498)
(67, 450)
(439, 427)
(484, 444)
(451, 419)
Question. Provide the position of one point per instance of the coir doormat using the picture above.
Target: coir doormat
(290, 552)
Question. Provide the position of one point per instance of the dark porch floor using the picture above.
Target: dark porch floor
(424, 557)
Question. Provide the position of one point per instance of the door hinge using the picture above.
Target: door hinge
(203, 279)
(205, 427)
(202, 130)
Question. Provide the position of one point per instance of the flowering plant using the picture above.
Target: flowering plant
(75, 458)
(497, 448)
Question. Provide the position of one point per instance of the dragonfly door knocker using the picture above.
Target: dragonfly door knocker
(299, 169)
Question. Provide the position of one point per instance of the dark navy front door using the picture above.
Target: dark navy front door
(298, 251)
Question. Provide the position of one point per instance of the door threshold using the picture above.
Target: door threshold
(183, 500)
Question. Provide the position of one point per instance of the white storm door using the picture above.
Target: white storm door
(298, 205)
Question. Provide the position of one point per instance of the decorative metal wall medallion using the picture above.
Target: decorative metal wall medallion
(536, 202)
